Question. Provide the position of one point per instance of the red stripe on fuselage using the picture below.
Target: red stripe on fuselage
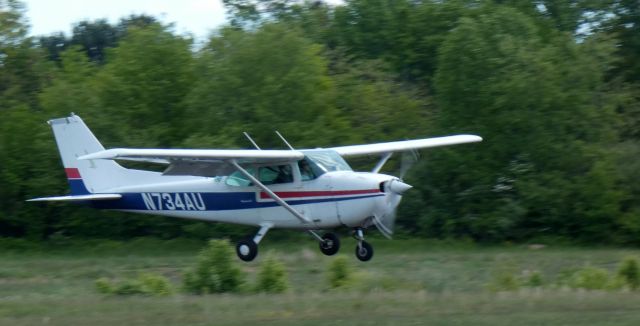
(299, 194)
(72, 173)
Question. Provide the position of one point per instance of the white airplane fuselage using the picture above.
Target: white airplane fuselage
(341, 198)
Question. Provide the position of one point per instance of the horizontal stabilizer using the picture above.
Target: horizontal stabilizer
(80, 197)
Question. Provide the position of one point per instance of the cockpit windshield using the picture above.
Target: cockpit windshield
(327, 160)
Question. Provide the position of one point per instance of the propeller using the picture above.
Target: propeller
(408, 159)
(386, 218)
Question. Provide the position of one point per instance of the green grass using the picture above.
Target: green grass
(408, 282)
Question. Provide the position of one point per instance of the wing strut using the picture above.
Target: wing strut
(285, 141)
(382, 161)
(251, 140)
(270, 193)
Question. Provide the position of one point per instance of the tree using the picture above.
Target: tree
(260, 81)
(141, 89)
(546, 126)
(94, 37)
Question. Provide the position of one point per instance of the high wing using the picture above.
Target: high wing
(406, 145)
(196, 155)
(201, 162)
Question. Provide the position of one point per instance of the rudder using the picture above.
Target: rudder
(74, 139)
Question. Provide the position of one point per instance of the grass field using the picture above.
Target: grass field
(408, 282)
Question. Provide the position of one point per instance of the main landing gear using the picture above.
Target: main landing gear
(247, 249)
(330, 244)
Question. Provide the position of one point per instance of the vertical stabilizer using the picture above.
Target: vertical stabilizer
(74, 139)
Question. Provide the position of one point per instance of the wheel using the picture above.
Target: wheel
(330, 245)
(364, 251)
(246, 249)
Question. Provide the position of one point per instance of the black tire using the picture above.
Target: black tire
(246, 249)
(364, 251)
(330, 245)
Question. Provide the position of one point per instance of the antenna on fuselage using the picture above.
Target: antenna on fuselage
(251, 140)
(285, 141)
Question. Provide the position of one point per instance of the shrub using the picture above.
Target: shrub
(630, 272)
(340, 273)
(127, 287)
(590, 278)
(104, 286)
(272, 277)
(504, 281)
(145, 284)
(534, 279)
(215, 271)
(154, 284)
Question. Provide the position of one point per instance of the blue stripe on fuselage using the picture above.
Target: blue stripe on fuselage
(212, 201)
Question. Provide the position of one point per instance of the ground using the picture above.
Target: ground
(408, 282)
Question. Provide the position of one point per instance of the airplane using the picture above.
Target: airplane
(309, 189)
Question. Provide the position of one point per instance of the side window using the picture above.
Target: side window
(306, 171)
(237, 179)
(269, 175)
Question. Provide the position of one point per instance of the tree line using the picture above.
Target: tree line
(553, 88)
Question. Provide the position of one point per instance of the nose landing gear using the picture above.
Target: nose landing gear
(364, 251)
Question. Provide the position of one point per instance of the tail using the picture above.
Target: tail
(74, 139)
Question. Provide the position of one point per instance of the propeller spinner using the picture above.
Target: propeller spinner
(386, 217)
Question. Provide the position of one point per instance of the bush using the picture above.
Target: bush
(340, 273)
(272, 277)
(630, 272)
(507, 280)
(104, 286)
(590, 278)
(145, 284)
(216, 270)
(504, 281)
(534, 280)
(154, 284)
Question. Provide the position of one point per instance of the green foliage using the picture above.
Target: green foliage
(340, 272)
(104, 286)
(589, 278)
(253, 81)
(155, 284)
(216, 270)
(629, 271)
(272, 277)
(543, 161)
(534, 279)
(148, 284)
(144, 83)
(504, 280)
